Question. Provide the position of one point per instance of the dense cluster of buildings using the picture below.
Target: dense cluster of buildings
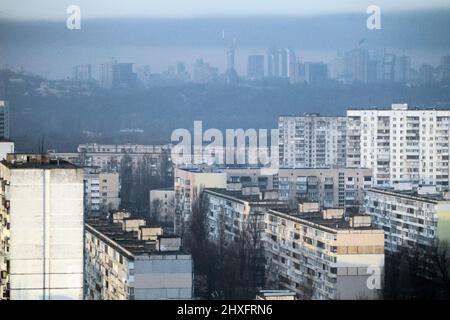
(358, 65)
(346, 193)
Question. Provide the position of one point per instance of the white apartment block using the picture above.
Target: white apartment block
(340, 187)
(122, 264)
(322, 255)
(411, 219)
(41, 228)
(101, 191)
(402, 144)
(188, 185)
(311, 141)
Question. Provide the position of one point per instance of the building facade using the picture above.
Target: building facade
(340, 187)
(241, 177)
(162, 206)
(410, 218)
(311, 141)
(101, 191)
(402, 144)
(41, 229)
(322, 255)
(109, 157)
(231, 213)
(4, 119)
(188, 185)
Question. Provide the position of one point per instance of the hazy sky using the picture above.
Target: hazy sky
(56, 9)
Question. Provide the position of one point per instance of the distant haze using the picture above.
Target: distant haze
(50, 49)
(56, 9)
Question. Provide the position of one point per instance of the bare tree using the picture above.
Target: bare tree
(155, 212)
(440, 256)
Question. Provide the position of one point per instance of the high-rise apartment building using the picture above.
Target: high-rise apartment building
(357, 65)
(41, 228)
(311, 141)
(445, 68)
(315, 72)
(330, 187)
(4, 119)
(82, 72)
(106, 74)
(255, 66)
(400, 144)
(101, 191)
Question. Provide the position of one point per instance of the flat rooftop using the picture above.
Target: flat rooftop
(410, 194)
(317, 219)
(202, 170)
(48, 164)
(125, 242)
(237, 195)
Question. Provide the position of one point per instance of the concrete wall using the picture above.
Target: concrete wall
(163, 277)
(46, 209)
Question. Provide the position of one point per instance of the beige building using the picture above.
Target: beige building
(101, 191)
(130, 265)
(189, 183)
(323, 255)
(41, 228)
(331, 187)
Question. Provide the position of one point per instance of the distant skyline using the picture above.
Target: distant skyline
(56, 9)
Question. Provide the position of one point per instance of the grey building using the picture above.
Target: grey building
(331, 187)
(312, 140)
(255, 66)
(4, 119)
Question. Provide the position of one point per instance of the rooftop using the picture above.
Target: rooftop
(411, 194)
(316, 219)
(237, 195)
(35, 161)
(125, 242)
(399, 106)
